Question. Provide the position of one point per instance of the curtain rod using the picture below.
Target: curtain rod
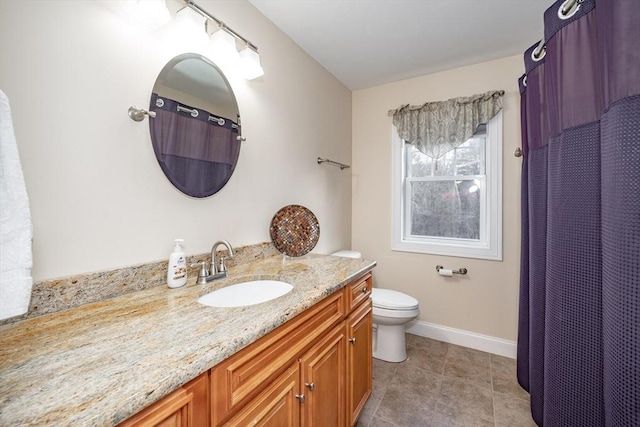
(192, 5)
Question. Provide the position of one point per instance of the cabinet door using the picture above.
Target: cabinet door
(277, 406)
(359, 361)
(185, 407)
(323, 381)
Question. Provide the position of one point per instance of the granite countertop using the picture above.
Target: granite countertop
(98, 364)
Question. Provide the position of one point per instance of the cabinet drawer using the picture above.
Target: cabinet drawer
(358, 291)
(238, 379)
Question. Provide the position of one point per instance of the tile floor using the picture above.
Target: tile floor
(445, 385)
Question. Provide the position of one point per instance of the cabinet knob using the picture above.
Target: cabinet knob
(364, 290)
(352, 340)
(300, 397)
(311, 386)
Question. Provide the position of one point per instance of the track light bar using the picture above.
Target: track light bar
(192, 5)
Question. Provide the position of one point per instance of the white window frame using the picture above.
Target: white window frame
(490, 245)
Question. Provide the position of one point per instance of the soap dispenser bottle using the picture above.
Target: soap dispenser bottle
(177, 270)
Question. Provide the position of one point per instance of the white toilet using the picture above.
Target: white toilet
(392, 310)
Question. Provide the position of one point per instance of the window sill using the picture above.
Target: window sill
(460, 251)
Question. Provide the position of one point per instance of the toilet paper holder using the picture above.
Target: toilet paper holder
(458, 271)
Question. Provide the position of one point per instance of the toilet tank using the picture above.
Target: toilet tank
(348, 254)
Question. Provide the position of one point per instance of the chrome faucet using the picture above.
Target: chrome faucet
(218, 265)
(218, 268)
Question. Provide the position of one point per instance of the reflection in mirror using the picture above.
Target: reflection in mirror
(196, 131)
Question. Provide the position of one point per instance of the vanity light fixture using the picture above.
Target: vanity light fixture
(150, 13)
(223, 45)
(192, 24)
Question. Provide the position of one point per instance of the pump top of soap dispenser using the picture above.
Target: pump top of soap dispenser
(178, 247)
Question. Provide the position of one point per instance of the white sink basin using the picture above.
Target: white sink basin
(246, 293)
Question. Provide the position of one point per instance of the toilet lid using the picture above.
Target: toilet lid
(392, 300)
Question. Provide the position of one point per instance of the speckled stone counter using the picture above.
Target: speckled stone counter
(99, 363)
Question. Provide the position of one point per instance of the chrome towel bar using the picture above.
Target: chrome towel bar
(341, 165)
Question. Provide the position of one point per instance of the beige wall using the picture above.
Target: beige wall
(98, 198)
(486, 300)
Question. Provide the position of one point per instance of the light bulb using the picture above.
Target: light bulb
(190, 26)
(250, 64)
(222, 49)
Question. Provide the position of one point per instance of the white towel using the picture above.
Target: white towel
(15, 223)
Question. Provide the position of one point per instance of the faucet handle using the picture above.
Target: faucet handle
(222, 266)
(203, 273)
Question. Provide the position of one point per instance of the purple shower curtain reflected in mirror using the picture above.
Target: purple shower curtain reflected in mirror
(198, 155)
(579, 319)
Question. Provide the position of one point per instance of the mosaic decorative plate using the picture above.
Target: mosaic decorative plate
(294, 230)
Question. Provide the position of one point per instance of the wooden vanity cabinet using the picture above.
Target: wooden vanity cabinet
(238, 380)
(187, 406)
(328, 346)
(308, 393)
(315, 370)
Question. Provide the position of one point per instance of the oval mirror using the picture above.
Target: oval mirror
(196, 130)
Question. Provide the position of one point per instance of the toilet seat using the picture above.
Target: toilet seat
(395, 314)
(388, 299)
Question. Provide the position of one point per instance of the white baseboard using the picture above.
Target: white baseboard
(473, 340)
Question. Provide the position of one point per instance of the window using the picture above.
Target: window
(450, 206)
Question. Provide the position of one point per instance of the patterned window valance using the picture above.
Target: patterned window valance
(438, 127)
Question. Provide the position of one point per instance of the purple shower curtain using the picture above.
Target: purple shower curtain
(579, 319)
